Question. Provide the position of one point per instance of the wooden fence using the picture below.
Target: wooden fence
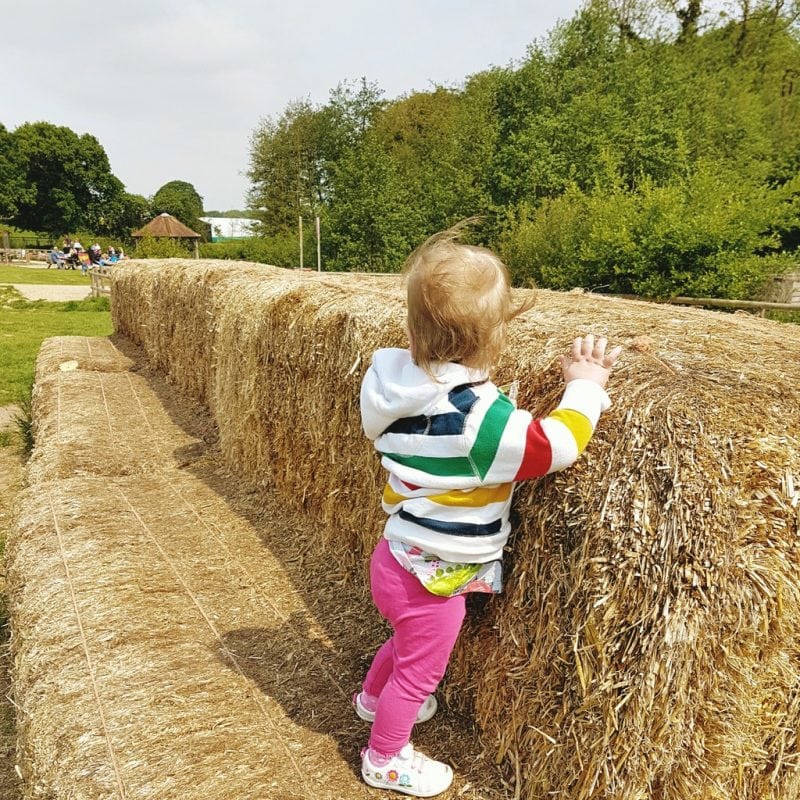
(101, 281)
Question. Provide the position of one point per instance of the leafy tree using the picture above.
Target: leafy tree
(285, 167)
(293, 158)
(65, 178)
(181, 200)
(366, 217)
(127, 213)
(690, 235)
(11, 188)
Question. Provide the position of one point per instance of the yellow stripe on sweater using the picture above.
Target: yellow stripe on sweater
(474, 498)
(579, 426)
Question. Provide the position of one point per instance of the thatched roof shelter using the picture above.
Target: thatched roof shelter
(165, 226)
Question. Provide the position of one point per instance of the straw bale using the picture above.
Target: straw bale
(68, 353)
(648, 641)
(97, 423)
(150, 313)
(132, 652)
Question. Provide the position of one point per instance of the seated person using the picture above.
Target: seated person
(55, 257)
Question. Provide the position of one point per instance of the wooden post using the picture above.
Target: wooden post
(300, 219)
(319, 251)
(196, 248)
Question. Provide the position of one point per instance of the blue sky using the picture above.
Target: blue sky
(173, 90)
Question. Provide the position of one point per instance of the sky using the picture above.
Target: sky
(174, 90)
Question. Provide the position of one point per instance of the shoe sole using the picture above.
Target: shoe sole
(405, 789)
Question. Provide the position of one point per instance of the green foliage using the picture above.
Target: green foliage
(279, 250)
(11, 175)
(64, 180)
(704, 233)
(643, 147)
(181, 200)
(150, 247)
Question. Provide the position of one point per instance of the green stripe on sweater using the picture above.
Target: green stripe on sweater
(482, 454)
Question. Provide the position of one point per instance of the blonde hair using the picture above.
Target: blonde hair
(459, 302)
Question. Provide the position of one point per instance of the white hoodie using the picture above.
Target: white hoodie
(453, 447)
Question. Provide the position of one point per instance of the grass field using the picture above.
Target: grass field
(11, 273)
(24, 325)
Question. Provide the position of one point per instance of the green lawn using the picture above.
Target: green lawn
(13, 273)
(24, 325)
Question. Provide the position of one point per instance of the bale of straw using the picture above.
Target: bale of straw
(133, 639)
(160, 649)
(648, 642)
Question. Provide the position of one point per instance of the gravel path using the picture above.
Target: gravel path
(32, 291)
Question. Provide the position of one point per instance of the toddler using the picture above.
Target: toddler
(453, 445)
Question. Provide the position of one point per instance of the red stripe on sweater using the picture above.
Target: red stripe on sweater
(538, 453)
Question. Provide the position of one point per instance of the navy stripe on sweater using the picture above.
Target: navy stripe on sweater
(453, 528)
(450, 424)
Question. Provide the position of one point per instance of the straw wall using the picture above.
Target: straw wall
(648, 642)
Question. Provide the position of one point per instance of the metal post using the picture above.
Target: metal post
(300, 218)
(319, 251)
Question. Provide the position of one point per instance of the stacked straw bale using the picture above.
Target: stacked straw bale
(648, 643)
(143, 606)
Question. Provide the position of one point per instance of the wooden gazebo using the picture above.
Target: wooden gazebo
(165, 226)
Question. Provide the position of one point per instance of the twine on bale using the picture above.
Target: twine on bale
(112, 755)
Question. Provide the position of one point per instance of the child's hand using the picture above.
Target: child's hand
(588, 360)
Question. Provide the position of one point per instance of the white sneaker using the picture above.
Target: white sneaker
(426, 710)
(409, 772)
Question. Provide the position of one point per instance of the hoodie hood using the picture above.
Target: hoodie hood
(395, 387)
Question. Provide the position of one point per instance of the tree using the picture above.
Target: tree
(181, 200)
(127, 213)
(293, 158)
(11, 188)
(285, 167)
(65, 179)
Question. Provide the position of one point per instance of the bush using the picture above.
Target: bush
(279, 250)
(706, 233)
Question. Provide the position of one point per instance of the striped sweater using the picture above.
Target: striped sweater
(454, 447)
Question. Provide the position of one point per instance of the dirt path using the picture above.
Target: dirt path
(177, 635)
(32, 291)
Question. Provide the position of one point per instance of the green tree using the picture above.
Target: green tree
(11, 187)
(123, 216)
(367, 212)
(181, 200)
(293, 158)
(285, 168)
(66, 179)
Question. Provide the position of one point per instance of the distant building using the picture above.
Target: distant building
(224, 228)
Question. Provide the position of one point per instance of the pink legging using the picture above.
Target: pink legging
(410, 664)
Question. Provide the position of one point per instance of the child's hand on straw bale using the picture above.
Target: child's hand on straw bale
(588, 360)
